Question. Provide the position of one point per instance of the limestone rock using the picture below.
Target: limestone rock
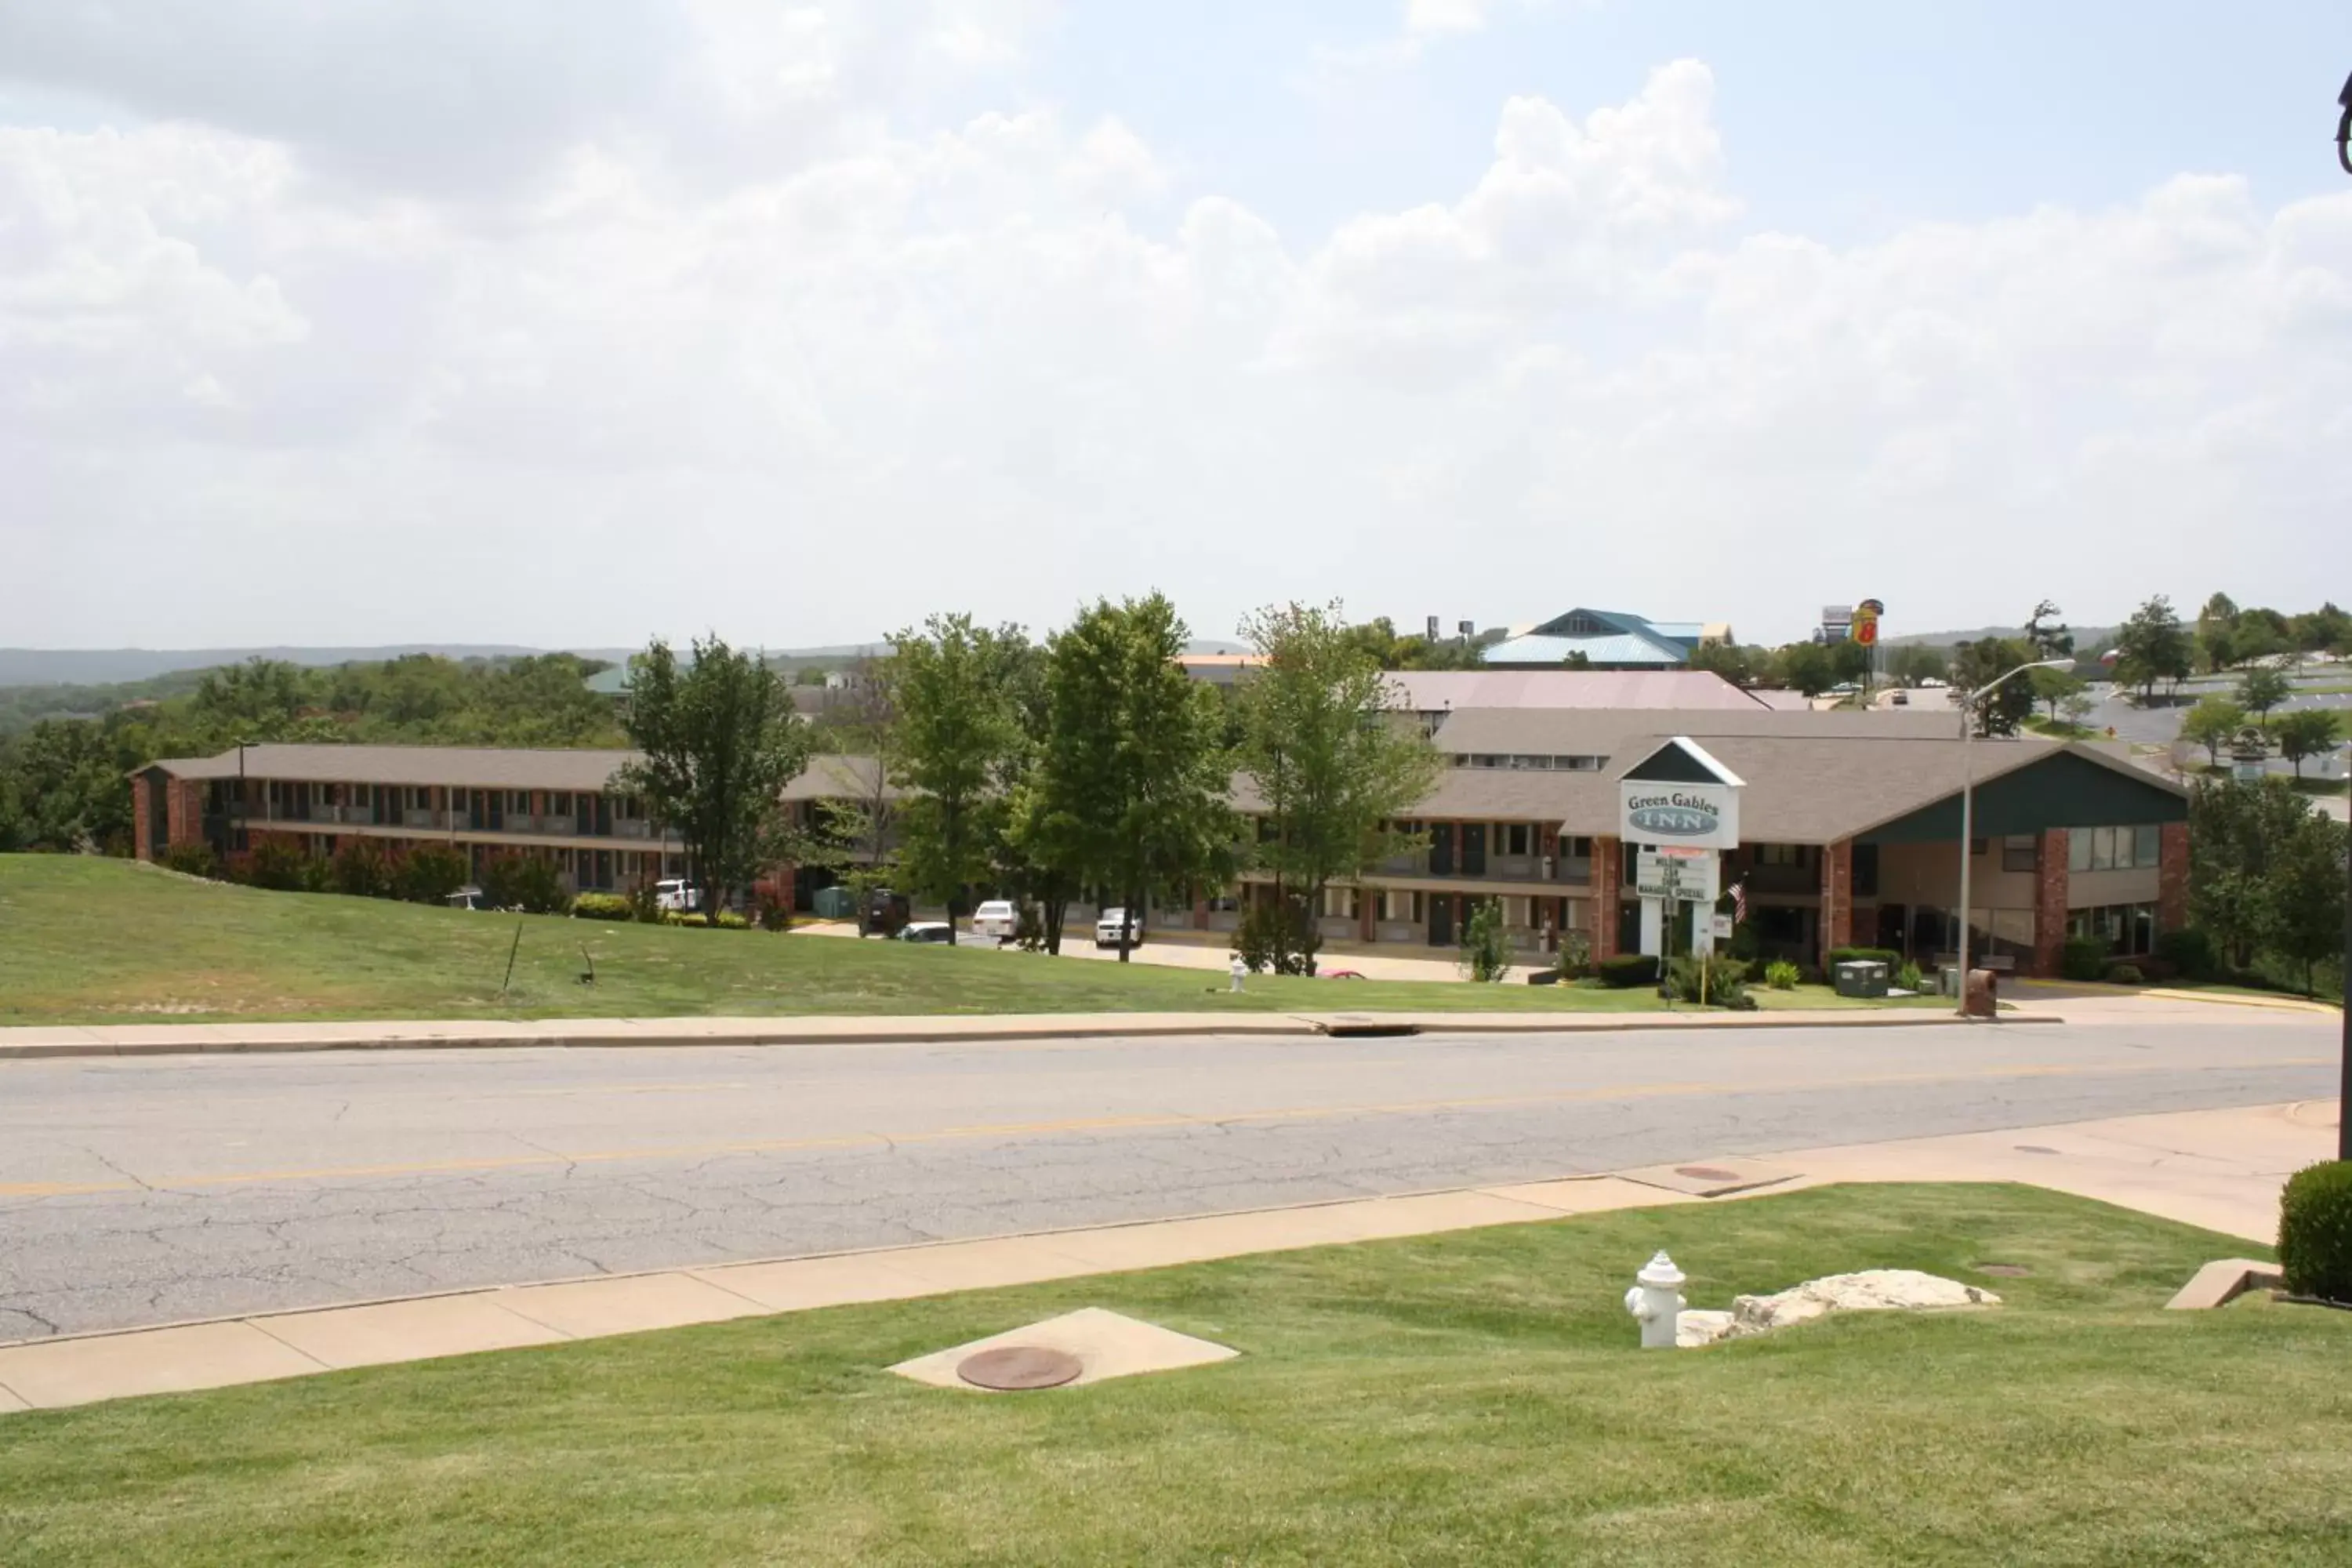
(1871, 1290)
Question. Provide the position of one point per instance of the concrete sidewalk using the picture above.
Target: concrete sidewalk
(2219, 1169)
(198, 1039)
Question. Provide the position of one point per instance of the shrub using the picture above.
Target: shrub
(697, 921)
(192, 860)
(1727, 979)
(362, 869)
(727, 919)
(430, 873)
(1628, 970)
(2314, 1243)
(1782, 975)
(1909, 978)
(1486, 947)
(645, 905)
(1261, 931)
(1745, 943)
(278, 865)
(775, 915)
(2190, 953)
(1885, 955)
(2125, 974)
(602, 907)
(527, 882)
(2083, 958)
(1575, 959)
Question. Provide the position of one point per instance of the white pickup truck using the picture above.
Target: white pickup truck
(1107, 929)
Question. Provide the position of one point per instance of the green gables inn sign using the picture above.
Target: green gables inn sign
(1679, 797)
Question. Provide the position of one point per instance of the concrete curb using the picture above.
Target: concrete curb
(152, 1041)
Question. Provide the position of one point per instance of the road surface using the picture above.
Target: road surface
(138, 1191)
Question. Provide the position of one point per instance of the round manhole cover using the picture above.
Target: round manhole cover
(2035, 1149)
(2005, 1270)
(1016, 1367)
(1706, 1173)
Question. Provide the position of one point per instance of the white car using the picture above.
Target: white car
(676, 893)
(1107, 929)
(997, 920)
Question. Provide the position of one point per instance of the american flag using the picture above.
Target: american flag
(1739, 901)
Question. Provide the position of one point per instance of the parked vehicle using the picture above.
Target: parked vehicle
(937, 931)
(1107, 929)
(996, 920)
(884, 913)
(677, 894)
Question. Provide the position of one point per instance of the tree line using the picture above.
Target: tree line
(1043, 770)
(65, 781)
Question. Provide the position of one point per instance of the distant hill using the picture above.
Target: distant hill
(112, 665)
(2089, 641)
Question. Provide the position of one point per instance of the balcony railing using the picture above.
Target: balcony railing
(1548, 869)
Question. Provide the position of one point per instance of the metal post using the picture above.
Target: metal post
(1968, 835)
(2344, 1084)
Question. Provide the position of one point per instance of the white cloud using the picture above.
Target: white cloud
(1424, 17)
(1022, 361)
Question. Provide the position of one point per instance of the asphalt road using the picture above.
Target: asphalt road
(138, 1191)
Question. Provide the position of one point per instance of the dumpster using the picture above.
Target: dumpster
(1862, 977)
(835, 903)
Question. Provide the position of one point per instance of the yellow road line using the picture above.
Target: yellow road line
(1135, 1122)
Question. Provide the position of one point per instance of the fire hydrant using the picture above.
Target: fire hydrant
(1655, 1300)
(1237, 969)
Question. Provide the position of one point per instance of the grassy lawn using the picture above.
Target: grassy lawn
(1469, 1398)
(90, 941)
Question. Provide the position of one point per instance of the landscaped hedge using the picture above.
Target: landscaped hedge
(2315, 1245)
(603, 907)
(2083, 958)
(2190, 953)
(1628, 970)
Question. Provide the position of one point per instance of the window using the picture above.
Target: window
(1399, 906)
(2147, 845)
(1864, 871)
(2078, 850)
(563, 804)
(1485, 760)
(2128, 930)
(2017, 852)
(1339, 903)
(1977, 845)
(1515, 911)
(1511, 838)
(1779, 855)
(519, 802)
(1577, 848)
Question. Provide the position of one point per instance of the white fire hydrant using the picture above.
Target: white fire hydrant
(1656, 1303)
(1237, 969)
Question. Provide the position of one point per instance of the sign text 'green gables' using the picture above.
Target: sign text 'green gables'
(1677, 812)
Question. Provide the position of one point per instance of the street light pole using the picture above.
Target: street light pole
(1967, 796)
(2344, 1084)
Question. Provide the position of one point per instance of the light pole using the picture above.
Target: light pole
(2344, 1085)
(1969, 794)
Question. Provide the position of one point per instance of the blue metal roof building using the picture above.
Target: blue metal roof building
(1609, 639)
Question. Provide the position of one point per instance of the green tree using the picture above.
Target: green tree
(63, 786)
(1129, 791)
(1976, 665)
(2152, 647)
(2325, 630)
(1804, 666)
(2307, 733)
(1485, 945)
(1729, 660)
(1915, 664)
(2302, 919)
(2055, 688)
(958, 734)
(2262, 689)
(2216, 625)
(719, 742)
(2046, 634)
(2237, 833)
(2213, 724)
(1331, 762)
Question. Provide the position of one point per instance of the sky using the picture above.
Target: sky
(563, 324)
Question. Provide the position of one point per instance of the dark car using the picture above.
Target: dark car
(884, 913)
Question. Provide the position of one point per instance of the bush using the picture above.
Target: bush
(2190, 953)
(1745, 943)
(362, 869)
(525, 882)
(645, 905)
(1727, 979)
(727, 919)
(1885, 955)
(278, 865)
(192, 860)
(2083, 958)
(1629, 970)
(775, 915)
(2314, 1243)
(430, 874)
(1908, 978)
(1782, 975)
(602, 907)
(2125, 974)
(1575, 958)
(1486, 947)
(1260, 935)
(697, 921)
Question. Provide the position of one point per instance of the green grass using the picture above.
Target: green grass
(93, 941)
(1468, 1398)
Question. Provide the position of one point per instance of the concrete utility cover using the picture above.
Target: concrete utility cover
(1016, 1367)
(1104, 1345)
(1713, 1179)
